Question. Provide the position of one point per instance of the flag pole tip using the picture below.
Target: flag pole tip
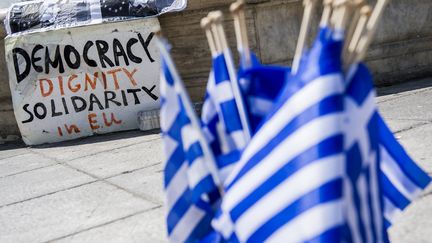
(339, 3)
(215, 16)
(327, 2)
(205, 23)
(237, 6)
(366, 10)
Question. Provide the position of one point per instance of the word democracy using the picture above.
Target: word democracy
(40, 58)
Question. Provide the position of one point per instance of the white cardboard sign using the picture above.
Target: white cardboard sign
(76, 82)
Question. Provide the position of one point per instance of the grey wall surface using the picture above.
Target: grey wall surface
(402, 49)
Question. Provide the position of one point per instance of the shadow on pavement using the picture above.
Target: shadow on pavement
(97, 138)
(403, 87)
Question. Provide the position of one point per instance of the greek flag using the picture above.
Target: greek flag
(260, 84)
(220, 117)
(362, 190)
(287, 185)
(189, 168)
(401, 180)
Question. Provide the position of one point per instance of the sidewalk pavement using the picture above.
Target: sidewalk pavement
(109, 188)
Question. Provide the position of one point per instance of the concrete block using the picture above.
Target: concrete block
(144, 227)
(11, 150)
(278, 26)
(39, 182)
(398, 125)
(24, 162)
(67, 151)
(68, 212)
(413, 106)
(121, 160)
(414, 224)
(147, 182)
(417, 143)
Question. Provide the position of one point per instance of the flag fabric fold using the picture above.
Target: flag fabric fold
(220, 118)
(188, 181)
(322, 164)
(261, 85)
(401, 180)
(290, 173)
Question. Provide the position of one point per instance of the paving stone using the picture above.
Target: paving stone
(146, 182)
(415, 223)
(144, 227)
(39, 182)
(416, 106)
(400, 125)
(121, 160)
(418, 142)
(7, 151)
(67, 151)
(24, 162)
(67, 212)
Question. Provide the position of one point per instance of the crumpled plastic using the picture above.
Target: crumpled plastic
(39, 15)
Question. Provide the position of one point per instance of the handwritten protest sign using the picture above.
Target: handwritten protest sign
(76, 82)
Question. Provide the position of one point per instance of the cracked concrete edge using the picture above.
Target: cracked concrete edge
(94, 177)
(97, 178)
(105, 223)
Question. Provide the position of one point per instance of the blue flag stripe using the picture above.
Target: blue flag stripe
(329, 105)
(328, 147)
(411, 169)
(328, 192)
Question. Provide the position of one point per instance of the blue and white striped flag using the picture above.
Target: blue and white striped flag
(362, 187)
(401, 180)
(221, 118)
(261, 85)
(189, 176)
(287, 185)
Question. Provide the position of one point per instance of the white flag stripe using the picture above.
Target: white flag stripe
(170, 110)
(177, 186)
(393, 172)
(363, 191)
(316, 131)
(260, 106)
(309, 95)
(391, 212)
(223, 92)
(194, 174)
(208, 111)
(169, 146)
(350, 211)
(286, 193)
(224, 142)
(226, 171)
(189, 136)
(376, 195)
(187, 223)
(311, 223)
(224, 225)
(238, 139)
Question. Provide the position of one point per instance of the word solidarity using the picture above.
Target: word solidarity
(77, 104)
(41, 59)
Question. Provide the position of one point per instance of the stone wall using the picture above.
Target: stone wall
(401, 51)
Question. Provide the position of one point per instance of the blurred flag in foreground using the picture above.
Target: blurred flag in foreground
(189, 184)
(287, 185)
(399, 178)
(261, 85)
(221, 120)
